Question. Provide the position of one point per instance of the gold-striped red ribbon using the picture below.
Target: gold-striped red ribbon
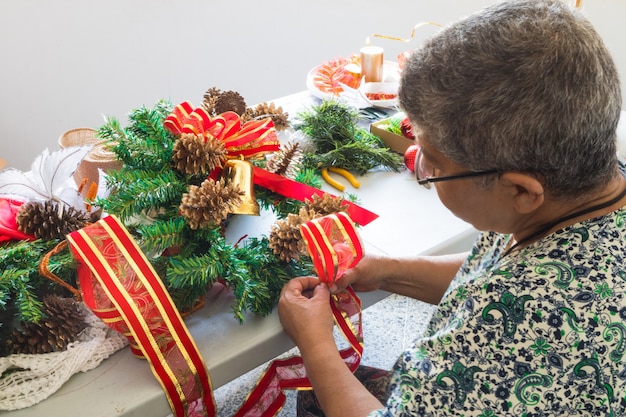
(334, 246)
(119, 284)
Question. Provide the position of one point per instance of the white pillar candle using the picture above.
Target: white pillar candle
(372, 63)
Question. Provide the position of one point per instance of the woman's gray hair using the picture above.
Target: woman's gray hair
(525, 85)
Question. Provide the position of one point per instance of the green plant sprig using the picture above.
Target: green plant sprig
(333, 128)
(20, 281)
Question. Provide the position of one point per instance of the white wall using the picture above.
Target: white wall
(65, 63)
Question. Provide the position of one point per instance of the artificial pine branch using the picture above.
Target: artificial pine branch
(148, 123)
(20, 282)
(135, 197)
(339, 140)
(145, 144)
(162, 234)
(270, 269)
(356, 157)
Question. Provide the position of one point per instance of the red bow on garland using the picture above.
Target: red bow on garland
(253, 138)
(248, 140)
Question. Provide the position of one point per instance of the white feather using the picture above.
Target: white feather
(48, 177)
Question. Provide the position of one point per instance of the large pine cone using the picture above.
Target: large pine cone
(230, 101)
(279, 117)
(285, 238)
(61, 326)
(210, 203)
(195, 154)
(325, 205)
(286, 160)
(49, 220)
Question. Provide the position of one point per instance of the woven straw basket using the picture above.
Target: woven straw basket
(100, 157)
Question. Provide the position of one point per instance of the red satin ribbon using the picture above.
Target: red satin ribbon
(299, 191)
(120, 285)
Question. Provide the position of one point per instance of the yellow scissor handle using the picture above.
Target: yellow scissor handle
(347, 175)
(344, 173)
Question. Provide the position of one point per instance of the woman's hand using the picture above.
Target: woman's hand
(366, 275)
(304, 311)
(424, 278)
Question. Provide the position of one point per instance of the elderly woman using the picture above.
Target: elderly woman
(516, 109)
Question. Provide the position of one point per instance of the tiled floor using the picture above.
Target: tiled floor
(389, 325)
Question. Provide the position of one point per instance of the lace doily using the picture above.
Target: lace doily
(26, 380)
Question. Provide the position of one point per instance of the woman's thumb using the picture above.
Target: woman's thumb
(321, 291)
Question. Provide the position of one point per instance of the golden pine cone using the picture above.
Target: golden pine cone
(210, 203)
(61, 326)
(195, 154)
(247, 115)
(285, 238)
(286, 160)
(49, 219)
(230, 101)
(279, 117)
(325, 204)
(209, 99)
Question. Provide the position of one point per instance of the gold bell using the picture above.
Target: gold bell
(240, 173)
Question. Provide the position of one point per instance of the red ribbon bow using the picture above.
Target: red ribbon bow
(251, 139)
(334, 246)
(247, 140)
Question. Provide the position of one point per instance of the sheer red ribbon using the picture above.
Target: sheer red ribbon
(334, 246)
(120, 286)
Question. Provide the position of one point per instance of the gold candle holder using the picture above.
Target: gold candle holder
(372, 63)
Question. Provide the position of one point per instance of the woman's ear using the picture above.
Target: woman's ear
(526, 191)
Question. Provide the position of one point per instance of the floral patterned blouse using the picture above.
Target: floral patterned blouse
(539, 332)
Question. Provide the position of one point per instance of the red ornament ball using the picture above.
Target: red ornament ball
(409, 157)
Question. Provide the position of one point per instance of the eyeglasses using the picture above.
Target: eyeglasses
(424, 173)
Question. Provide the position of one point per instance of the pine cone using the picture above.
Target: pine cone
(209, 99)
(285, 238)
(247, 115)
(49, 219)
(61, 326)
(230, 101)
(325, 204)
(286, 160)
(279, 117)
(198, 155)
(209, 203)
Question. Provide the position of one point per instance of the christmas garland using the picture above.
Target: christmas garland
(174, 196)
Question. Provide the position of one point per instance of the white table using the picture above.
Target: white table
(412, 220)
